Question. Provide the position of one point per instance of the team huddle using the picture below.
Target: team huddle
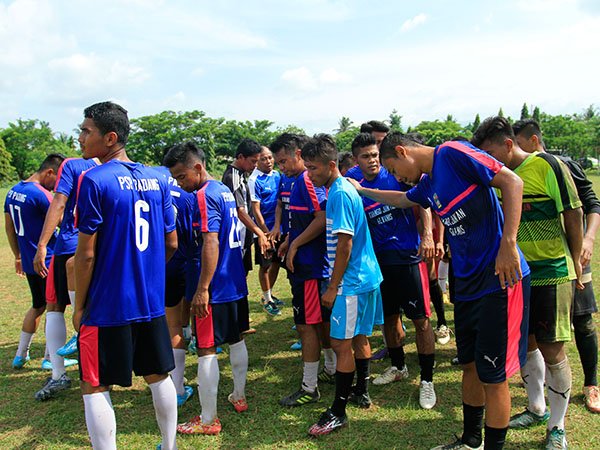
(141, 252)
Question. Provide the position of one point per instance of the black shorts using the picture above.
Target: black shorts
(107, 355)
(550, 316)
(406, 287)
(306, 302)
(584, 302)
(271, 256)
(57, 289)
(492, 331)
(224, 324)
(247, 259)
(37, 286)
(174, 287)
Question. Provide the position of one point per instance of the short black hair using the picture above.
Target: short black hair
(374, 125)
(393, 139)
(109, 116)
(187, 154)
(290, 142)
(52, 161)
(320, 147)
(494, 129)
(248, 147)
(527, 128)
(417, 137)
(345, 160)
(362, 140)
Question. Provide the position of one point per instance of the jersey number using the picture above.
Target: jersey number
(142, 227)
(15, 210)
(234, 232)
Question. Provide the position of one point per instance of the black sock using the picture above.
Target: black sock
(494, 438)
(397, 357)
(437, 298)
(587, 346)
(472, 423)
(362, 375)
(343, 386)
(426, 363)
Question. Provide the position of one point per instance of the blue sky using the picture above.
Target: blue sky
(302, 62)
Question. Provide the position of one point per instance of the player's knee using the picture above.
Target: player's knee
(584, 325)
(422, 325)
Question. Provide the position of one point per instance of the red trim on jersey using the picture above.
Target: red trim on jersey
(44, 191)
(89, 361)
(298, 208)
(374, 205)
(50, 287)
(514, 319)
(201, 197)
(60, 169)
(77, 198)
(205, 330)
(310, 187)
(481, 158)
(288, 193)
(312, 303)
(424, 275)
(457, 199)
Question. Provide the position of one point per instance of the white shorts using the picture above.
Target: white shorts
(356, 314)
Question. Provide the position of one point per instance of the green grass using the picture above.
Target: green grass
(395, 421)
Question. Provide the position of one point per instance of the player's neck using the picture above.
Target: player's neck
(424, 159)
(117, 154)
(518, 156)
(34, 178)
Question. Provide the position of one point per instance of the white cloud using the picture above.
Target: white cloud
(414, 22)
(332, 76)
(300, 78)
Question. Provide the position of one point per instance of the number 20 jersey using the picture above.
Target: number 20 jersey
(128, 206)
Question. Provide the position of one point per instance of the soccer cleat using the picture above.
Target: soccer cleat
(455, 361)
(328, 423)
(19, 362)
(325, 377)
(294, 327)
(271, 309)
(248, 331)
(47, 364)
(380, 354)
(69, 348)
(195, 426)
(555, 439)
(442, 335)
(391, 374)
(53, 387)
(427, 396)
(300, 397)
(528, 419)
(296, 346)
(361, 400)
(591, 396)
(240, 405)
(277, 301)
(458, 445)
(188, 391)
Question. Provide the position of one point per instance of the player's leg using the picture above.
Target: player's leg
(264, 264)
(31, 320)
(71, 346)
(273, 274)
(362, 359)
(327, 374)
(442, 332)
(231, 332)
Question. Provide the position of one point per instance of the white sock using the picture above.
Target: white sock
(46, 353)
(164, 399)
(267, 296)
(56, 336)
(72, 298)
(559, 390)
(24, 344)
(443, 276)
(310, 376)
(178, 372)
(100, 420)
(238, 356)
(208, 386)
(187, 332)
(533, 376)
(330, 360)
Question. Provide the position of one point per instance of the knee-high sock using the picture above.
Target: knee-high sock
(443, 276)
(238, 356)
(437, 298)
(56, 336)
(24, 344)
(46, 353)
(164, 399)
(559, 392)
(310, 376)
(208, 386)
(100, 421)
(533, 373)
(72, 299)
(330, 360)
(587, 346)
(178, 372)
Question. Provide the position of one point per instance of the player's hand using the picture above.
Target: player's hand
(263, 243)
(39, 261)
(289, 258)
(508, 264)
(579, 272)
(283, 248)
(275, 235)
(200, 303)
(328, 298)
(76, 319)
(439, 250)
(19, 267)
(427, 246)
(587, 250)
(356, 184)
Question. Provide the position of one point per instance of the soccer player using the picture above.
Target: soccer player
(353, 290)
(263, 185)
(491, 283)
(25, 209)
(126, 234)
(553, 254)
(378, 129)
(345, 162)
(405, 275)
(220, 303)
(529, 138)
(308, 270)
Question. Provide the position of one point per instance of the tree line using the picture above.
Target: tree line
(25, 143)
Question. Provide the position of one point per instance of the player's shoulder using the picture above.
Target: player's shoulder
(354, 173)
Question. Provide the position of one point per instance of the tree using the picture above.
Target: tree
(395, 121)
(437, 132)
(7, 172)
(536, 114)
(343, 140)
(476, 123)
(524, 112)
(344, 124)
(500, 112)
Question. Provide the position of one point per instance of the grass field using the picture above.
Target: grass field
(395, 420)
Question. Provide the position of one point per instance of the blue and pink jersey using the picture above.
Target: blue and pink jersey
(285, 190)
(459, 191)
(27, 203)
(263, 188)
(128, 207)
(393, 230)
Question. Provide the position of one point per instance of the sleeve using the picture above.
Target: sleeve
(65, 179)
(560, 185)
(253, 189)
(8, 195)
(211, 213)
(472, 164)
(343, 219)
(89, 208)
(585, 188)
(417, 194)
(169, 210)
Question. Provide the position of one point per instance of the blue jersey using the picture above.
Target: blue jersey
(128, 207)
(217, 213)
(459, 191)
(285, 190)
(393, 230)
(311, 259)
(345, 215)
(263, 188)
(27, 203)
(66, 184)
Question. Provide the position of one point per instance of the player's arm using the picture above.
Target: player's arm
(508, 262)
(209, 258)
(275, 233)
(592, 221)
(427, 246)
(439, 245)
(393, 198)
(342, 257)
(258, 217)
(314, 229)
(263, 242)
(53, 218)
(170, 244)
(85, 258)
(11, 235)
(573, 219)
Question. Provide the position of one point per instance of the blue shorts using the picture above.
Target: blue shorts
(352, 315)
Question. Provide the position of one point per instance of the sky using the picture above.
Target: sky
(305, 62)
